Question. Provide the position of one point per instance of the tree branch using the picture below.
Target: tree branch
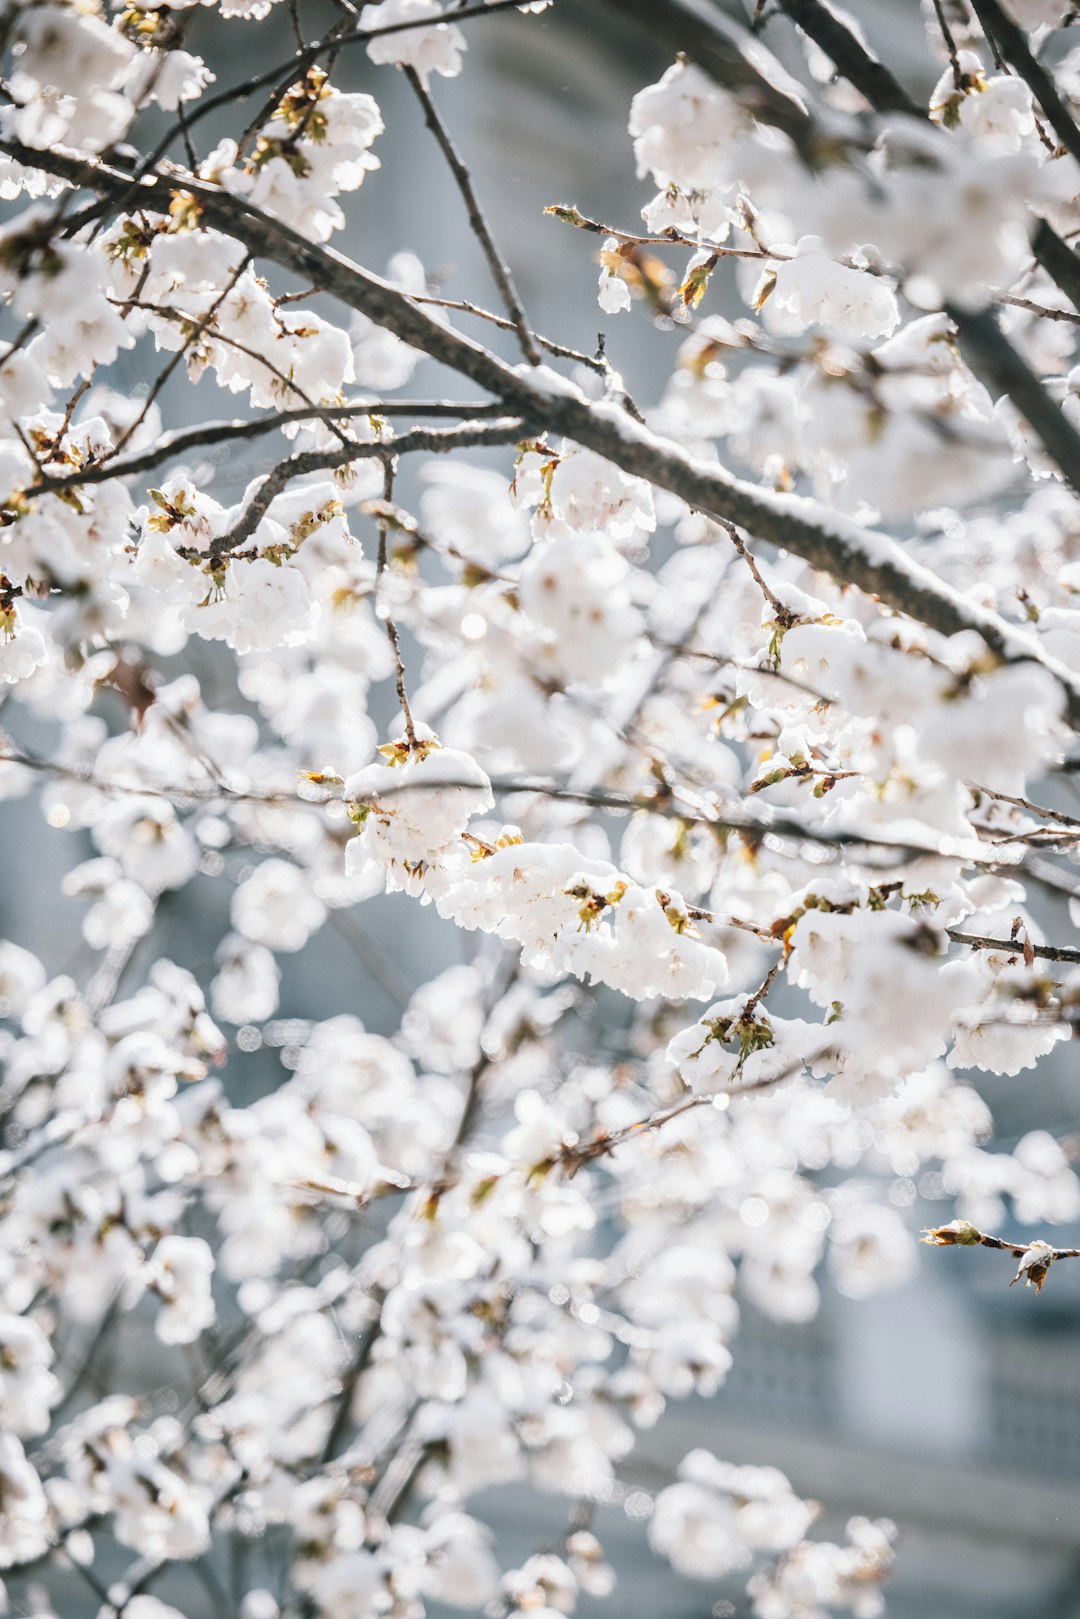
(382, 607)
(1011, 39)
(215, 433)
(873, 80)
(1058, 260)
(1035, 1257)
(464, 307)
(500, 270)
(885, 95)
(295, 65)
(827, 540)
(994, 357)
(1015, 947)
(730, 55)
(992, 352)
(435, 440)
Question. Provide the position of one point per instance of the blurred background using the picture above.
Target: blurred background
(950, 1405)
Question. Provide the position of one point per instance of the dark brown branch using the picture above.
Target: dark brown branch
(885, 95)
(1011, 39)
(1056, 257)
(949, 42)
(828, 541)
(223, 432)
(1015, 947)
(850, 57)
(500, 270)
(993, 357)
(435, 440)
(783, 615)
(1058, 260)
(729, 54)
(382, 609)
(330, 46)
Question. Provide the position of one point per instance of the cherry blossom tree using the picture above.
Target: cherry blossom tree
(730, 730)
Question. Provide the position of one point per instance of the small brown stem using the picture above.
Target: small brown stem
(950, 45)
(466, 308)
(382, 610)
(1015, 947)
(498, 266)
(181, 354)
(784, 616)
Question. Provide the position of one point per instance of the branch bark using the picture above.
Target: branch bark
(732, 57)
(437, 440)
(850, 57)
(1012, 42)
(885, 95)
(827, 540)
(994, 358)
(993, 354)
(215, 433)
(1015, 947)
(501, 273)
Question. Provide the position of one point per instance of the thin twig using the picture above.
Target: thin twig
(1025, 804)
(216, 433)
(382, 607)
(1041, 310)
(388, 977)
(1001, 30)
(433, 439)
(497, 264)
(286, 382)
(670, 238)
(1015, 947)
(464, 307)
(403, 523)
(1035, 1257)
(950, 45)
(181, 354)
(769, 825)
(343, 1407)
(784, 616)
(572, 1156)
(294, 67)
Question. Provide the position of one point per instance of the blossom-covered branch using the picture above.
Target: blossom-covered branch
(660, 747)
(837, 546)
(1035, 1257)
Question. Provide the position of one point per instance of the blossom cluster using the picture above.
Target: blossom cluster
(724, 828)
